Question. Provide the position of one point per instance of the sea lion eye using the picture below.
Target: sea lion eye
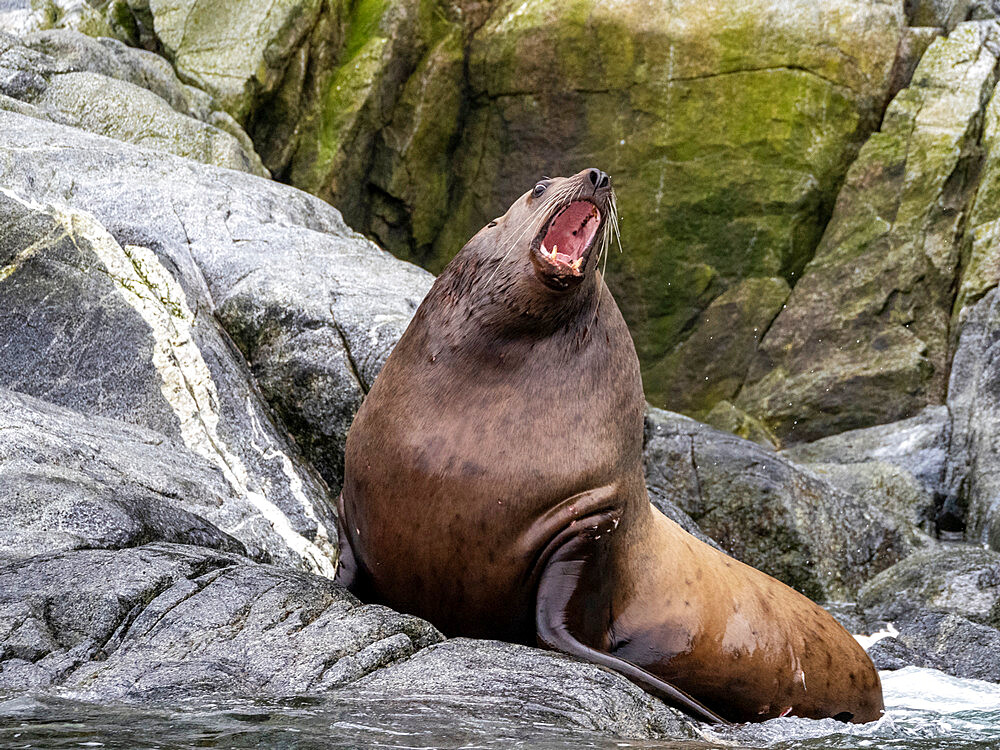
(539, 189)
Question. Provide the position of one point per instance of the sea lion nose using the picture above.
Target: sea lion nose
(598, 178)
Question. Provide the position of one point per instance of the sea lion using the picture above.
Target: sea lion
(494, 486)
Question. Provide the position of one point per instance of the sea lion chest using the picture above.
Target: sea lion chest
(461, 467)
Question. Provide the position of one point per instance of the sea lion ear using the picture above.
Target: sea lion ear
(491, 224)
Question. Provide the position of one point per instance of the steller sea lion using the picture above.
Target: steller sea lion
(494, 486)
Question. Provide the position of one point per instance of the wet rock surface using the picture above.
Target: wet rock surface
(490, 678)
(159, 621)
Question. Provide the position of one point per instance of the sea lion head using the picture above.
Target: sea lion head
(548, 243)
(559, 226)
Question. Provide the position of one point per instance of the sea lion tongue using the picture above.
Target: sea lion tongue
(571, 233)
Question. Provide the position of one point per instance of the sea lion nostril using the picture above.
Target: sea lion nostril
(598, 178)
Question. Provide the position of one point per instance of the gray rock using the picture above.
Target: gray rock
(918, 446)
(892, 654)
(766, 511)
(163, 621)
(963, 580)
(984, 9)
(70, 481)
(953, 644)
(899, 468)
(112, 329)
(502, 683)
(314, 307)
(943, 13)
(974, 401)
(107, 88)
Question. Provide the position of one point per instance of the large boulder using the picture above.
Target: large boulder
(768, 512)
(901, 466)
(864, 336)
(314, 307)
(108, 88)
(963, 580)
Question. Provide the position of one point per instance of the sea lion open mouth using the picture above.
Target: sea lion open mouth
(562, 246)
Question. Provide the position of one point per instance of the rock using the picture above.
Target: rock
(107, 88)
(724, 416)
(162, 622)
(489, 680)
(69, 481)
(864, 335)
(918, 446)
(899, 467)
(768, 512)
(107, 329)
(944, 13)
(710, 364)
(884, 488)
(953, 644)
(314, 307)
(963, 580)
(893, 654)
(984, 10)
(974, 401)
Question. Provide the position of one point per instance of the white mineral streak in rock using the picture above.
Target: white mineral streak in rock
(187, 382)
(294, 484)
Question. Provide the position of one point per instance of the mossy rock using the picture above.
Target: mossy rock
(864, 337)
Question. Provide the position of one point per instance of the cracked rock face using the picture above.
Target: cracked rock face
(314, 307)
(865, 335)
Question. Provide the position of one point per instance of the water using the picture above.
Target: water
(927, 710)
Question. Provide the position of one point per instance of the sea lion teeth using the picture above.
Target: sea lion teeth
(578, 543)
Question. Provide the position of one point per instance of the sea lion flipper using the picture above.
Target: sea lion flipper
(349, 573)
(569, 591)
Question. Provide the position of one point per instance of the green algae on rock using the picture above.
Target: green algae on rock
(864, 336)
(725, 126)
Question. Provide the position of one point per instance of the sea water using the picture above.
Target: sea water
(925, 710)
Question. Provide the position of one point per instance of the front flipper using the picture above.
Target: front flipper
(573, 608)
